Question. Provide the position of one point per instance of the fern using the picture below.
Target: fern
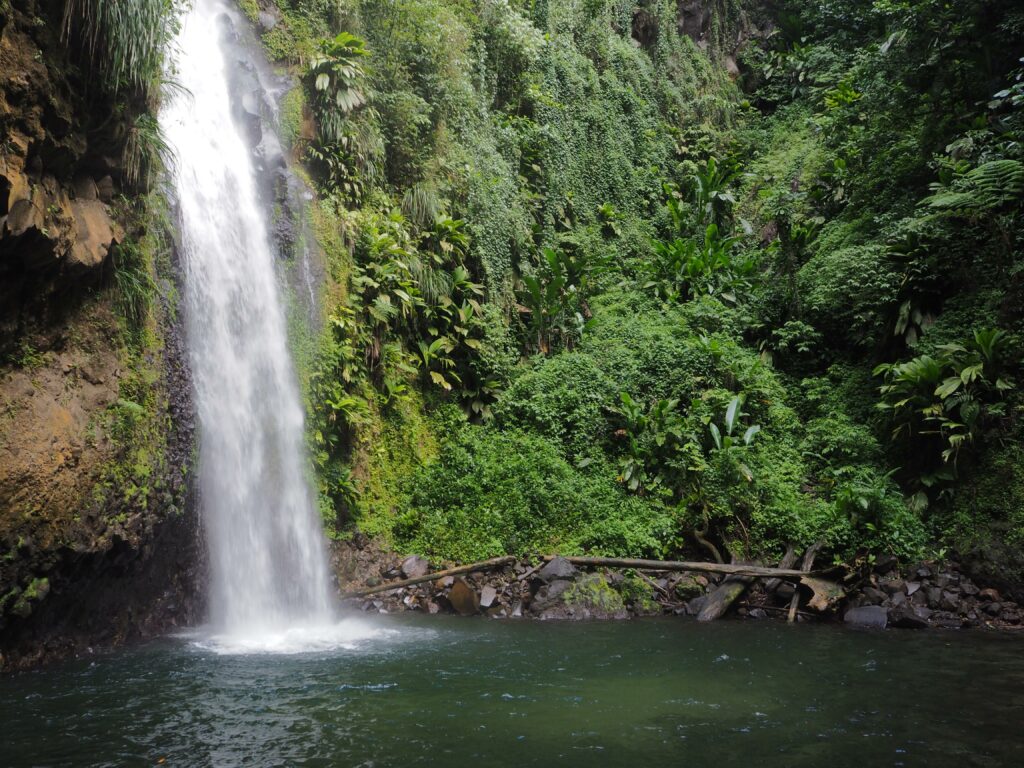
(985, 188)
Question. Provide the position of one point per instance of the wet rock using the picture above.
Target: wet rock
(924, 572)
(870, 616)
(487, 596)
(758, 613)
(968, 588)
(934, 597)
(433, 607)
(993, 609)
(463, 598)
(898, 600)
(414, 566)
(694, 606)
(912, 587)
(909, 617)
(949, 601)
(945, 620)
(786, 590)
(559, 568)
(549, 595)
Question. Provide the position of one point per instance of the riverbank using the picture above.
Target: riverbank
(881, 594)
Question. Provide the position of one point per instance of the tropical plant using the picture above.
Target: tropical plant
(710, 195)
(685, 268)
(948, 400)
(554, 297)
(337, 74)
(124, 42)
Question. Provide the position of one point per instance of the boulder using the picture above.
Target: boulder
(549, 595)
(559, 568)
(463, 598)
(414, 566)
(869, 616)
(909, 617)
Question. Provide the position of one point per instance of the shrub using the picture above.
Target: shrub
(493, 492)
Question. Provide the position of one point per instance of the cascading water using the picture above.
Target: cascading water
(267, 557)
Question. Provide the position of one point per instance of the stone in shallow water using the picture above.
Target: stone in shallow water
(873, 616)
(909, 617)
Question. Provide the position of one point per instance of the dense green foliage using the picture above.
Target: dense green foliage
(640, 308)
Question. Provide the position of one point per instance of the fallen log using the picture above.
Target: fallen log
(718, 602)
(787, 561)
(825, 592)
(808, 563)
(481, 566)
(729, 569)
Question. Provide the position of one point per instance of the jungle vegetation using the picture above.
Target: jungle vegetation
(593, 293)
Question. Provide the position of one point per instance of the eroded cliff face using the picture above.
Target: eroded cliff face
(59, 171)
(98, 536)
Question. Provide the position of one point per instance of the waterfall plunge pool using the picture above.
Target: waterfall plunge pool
(413, 690)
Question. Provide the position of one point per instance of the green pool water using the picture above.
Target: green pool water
(411, 691)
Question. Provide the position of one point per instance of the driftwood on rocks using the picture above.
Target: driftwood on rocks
(718, 602)
(728, 569)
(787, 561)
(807, 564)
(825, 593)
(496, 562)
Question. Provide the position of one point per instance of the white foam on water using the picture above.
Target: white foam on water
(347, 635)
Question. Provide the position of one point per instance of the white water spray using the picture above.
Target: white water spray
(267, 557)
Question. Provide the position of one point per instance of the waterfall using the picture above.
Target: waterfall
(268, 563)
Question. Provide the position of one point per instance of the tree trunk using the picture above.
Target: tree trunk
(483, 565)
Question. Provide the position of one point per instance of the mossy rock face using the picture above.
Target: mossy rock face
(592, 597)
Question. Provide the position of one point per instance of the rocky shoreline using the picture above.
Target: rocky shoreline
(883, 594)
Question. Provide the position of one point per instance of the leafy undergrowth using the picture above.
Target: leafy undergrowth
(589, 294)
